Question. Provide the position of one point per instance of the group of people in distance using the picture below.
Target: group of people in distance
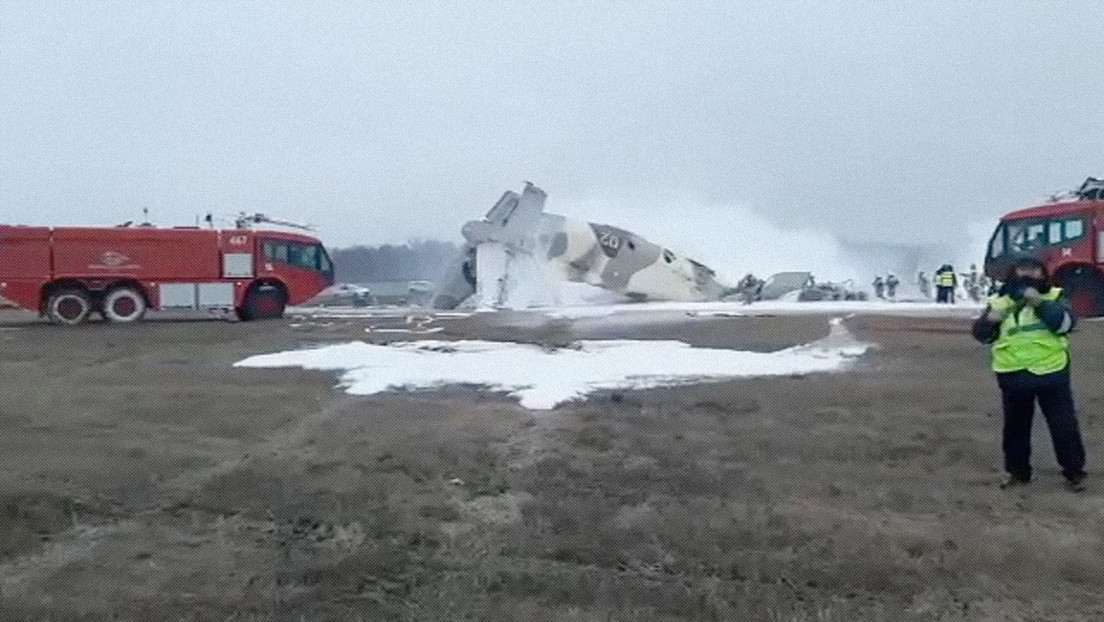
(886, 289)
(946, 282)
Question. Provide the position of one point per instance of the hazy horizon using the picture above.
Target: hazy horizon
(380, 122)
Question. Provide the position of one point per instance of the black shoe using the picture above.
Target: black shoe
(1013, 482)
(1076, 485)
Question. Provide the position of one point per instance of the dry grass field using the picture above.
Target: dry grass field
(143, 478)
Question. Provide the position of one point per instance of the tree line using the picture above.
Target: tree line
(417, 260)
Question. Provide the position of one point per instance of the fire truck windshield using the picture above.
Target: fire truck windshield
(1029, 235)
(1025, 236)
(295, 254)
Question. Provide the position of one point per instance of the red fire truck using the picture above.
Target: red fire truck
(69, 273)
(1067, 233)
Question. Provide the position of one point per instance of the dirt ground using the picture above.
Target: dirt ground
(144, 478)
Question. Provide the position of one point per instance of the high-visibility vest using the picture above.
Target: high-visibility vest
(945, 279)
(1025, 342)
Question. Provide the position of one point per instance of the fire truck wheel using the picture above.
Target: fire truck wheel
(264, 303)
(124, 305)
(68, 307)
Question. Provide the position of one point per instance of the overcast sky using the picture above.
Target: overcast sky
(899, 121)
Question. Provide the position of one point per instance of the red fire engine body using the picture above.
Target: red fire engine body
(68, 273)
(1067, 235)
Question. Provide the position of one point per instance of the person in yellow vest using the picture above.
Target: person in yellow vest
(1028, 323)
(945, 283)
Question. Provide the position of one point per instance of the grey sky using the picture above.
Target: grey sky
(388, 120)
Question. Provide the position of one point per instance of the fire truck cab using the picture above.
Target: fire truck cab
(69, 273)
(1067, 234)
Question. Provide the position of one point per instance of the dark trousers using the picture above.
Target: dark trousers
(944, 294)
(1019, 391)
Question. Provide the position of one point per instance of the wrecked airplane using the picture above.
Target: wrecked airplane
(517, 243)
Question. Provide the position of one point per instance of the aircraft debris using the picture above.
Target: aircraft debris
(517, 243)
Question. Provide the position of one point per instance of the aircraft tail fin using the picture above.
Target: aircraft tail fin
(508, 232)
(513, 220)
(503, 208)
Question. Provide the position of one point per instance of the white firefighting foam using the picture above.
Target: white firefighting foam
(542, 378)
(735, 239)
(730, 238)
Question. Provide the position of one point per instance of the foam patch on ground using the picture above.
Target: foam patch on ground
(542, 378)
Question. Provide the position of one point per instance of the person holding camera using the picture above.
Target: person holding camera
(1028, 323)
